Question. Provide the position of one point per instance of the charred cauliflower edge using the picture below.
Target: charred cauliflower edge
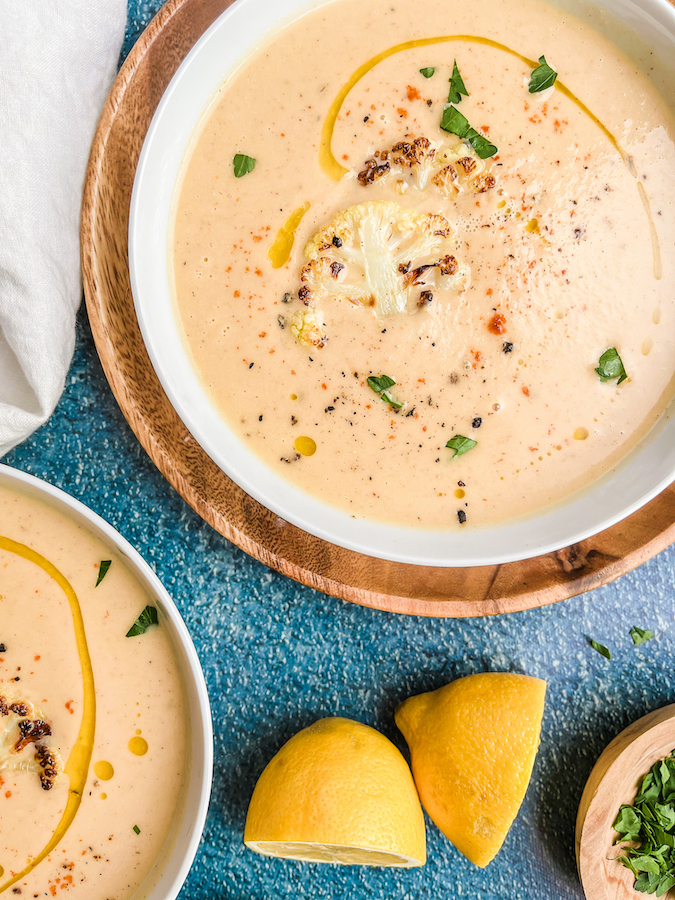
(451, 168)
(21, 726)
(375, 254)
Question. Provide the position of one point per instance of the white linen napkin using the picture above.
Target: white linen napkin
(57, 64)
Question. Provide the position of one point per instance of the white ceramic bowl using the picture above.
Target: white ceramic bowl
(636, 25)
(171, 868)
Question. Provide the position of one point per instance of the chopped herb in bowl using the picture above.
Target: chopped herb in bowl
(649, 825)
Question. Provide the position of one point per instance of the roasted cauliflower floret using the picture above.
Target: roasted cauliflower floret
(307, 326)
(451, 167)
(461, 169)
(377, 254)
(22, 729)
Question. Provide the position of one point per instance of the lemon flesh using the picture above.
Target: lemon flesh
(472, 745)
(332, 853)
(338, 792)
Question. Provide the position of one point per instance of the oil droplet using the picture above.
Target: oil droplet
(294, 396)
(459, 493)
(647, 347)
(280, 250)
(532, 226)
(104, 796)
(558, 447)
(656, 316)
(103, 770)
(501, 204)
(560, 314)
(581, 434)
(305, 445)
(138, 746)
(138, 731)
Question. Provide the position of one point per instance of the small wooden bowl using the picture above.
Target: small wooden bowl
(613, 781)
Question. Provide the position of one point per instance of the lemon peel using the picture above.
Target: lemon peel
(473, 744)
(338, 792)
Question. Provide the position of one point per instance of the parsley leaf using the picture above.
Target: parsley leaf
(460, 444)
(602, 650)
(137, 830)
(454, 122)
(610, 366)
(640, 635)
(243, 164)
(381, 387)
(542, 77)
(147, 618)
(456, 86)
(104, 565)
(428, 71)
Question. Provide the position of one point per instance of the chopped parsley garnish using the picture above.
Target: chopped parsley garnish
(454, 122)
(243, 164)
(456, 86)
(428, 71)
(610, 366)
(104, 565)
(137, 829)
(542, 77)
(460, 444)
(602, 650)
(650, 823)
(381, 387)
(641, 635)
(147, 618)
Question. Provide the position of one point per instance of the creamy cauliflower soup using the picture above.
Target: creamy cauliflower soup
(423, 257)
(92, 721)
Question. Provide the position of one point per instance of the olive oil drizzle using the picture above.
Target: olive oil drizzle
(332, 167)
(334, 170)
(280, 250)
(77, 767)
(656, 247)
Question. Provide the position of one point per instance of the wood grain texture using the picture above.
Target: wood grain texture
(613, 781)
(371, 582)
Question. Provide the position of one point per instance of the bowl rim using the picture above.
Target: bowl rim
(509, 542)
(201, 768)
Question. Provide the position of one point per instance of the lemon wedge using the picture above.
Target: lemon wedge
(472, 745)
(338, 792)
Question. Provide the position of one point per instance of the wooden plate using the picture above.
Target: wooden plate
(385, 585)
(613, 781)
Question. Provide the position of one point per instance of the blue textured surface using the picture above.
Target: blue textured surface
(277, 656)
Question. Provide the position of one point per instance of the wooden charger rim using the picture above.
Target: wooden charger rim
(613, 782)
(396, 587)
